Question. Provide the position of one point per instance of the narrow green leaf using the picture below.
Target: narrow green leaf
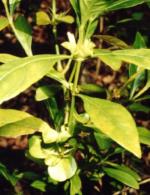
(146, 87)
(91, 27)
(139, 57)
(122, 176)
(138, 107)
(91, 88)
(95, 8)
(127, 170)
(114, 121)
(63, 170)
(13, 4)
(113, 41)
(4, 172)
(23, 33)
(46, 92)
(4, 57)
(42, 18)
(23, 73)
(39, 185)
(138, 43)
(3, 23)
(14, 123)
(123, 4)
(75, 5)
(144, 135)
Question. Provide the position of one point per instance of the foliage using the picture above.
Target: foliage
(104, 127)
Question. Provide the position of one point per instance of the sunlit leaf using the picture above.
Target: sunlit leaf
(64, 18)
(23, 73)
(14, 123)
(139, 57)
(42, 18)
(108, 58)
(114, 121)
(35, 149)
(122, 176)
(63, 170)
(75, 185)
(4, 57)
(23, 33)
(3, 23)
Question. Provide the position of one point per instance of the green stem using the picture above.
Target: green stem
(65, 70)
(77, 72)
(72, 74)
(54, 10)
(129, 81)
(145, 88)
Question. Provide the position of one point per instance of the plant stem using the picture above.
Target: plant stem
(129, 81)
(67, 66)
(59, 65)
(77, 72)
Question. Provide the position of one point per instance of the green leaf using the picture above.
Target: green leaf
(5, 173)
(122, 176)
(108, 58)
(23, 73)
(42, 18)
(127, 170)
(4, 57)
(113, 41)
(138, 107)
(103, 141)
(139, 57)
(46, 92)
(144, 135)
(63, 170)
(3, 23)
(13, 4)
(95, 8)
(64, 18)
(122, 4)
(138, 43)
(23, 33)
(91, 88)
(54, 74)
(15, 123)
(81, 118)
(146, 87)
(75, 185)
(75, 5)
(35, 149)
(91, 27)
(39, 185)
(114, 121)
(52, 135)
